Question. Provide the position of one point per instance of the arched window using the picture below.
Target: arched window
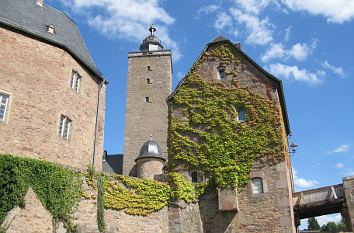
(241, 114)
(194, 176)
(257, 185)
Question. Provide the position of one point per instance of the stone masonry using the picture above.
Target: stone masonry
(142, 118)
(37, 78)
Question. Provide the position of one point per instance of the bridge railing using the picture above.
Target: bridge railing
(318, 195)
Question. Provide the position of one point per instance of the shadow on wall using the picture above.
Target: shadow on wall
(214, 220)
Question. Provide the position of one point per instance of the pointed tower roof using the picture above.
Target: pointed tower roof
(151, 42)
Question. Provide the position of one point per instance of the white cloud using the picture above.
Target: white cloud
(342, 148)
(298, 51)
(208, 9)
(259, 30)
(339, 165)
(337, 11)
(294, 73)
(276, 51)
(127, 19)
(302, 183)
(336, 70)
(252, 6)
(222, 20)
(287, 33)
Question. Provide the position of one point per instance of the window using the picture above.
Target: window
(148, 68)
(51, 29)
(257, 185)
(4, 102)
(147, 99)
(241, 114)
(149, 81)
(194, 176)
(64, 127)
(75, 81)
(221, 71)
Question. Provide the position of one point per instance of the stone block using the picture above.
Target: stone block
(227, 199)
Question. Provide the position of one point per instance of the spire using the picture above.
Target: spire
(152, 30)
(151, 42)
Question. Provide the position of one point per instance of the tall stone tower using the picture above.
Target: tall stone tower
(149, 85)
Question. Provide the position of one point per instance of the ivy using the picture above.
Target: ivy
(204, 133)
(100, 204)
(58, 189)
(134, 196)
(181, 188)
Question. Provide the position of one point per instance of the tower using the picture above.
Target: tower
(149, 85)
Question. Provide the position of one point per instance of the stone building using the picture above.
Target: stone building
(52, 95)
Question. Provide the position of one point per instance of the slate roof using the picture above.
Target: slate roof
(278, 81)
(113, 163)
(28, 17)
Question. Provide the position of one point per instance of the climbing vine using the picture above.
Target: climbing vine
(58, 189)
(134, 196)
(181, 188)
(205, 135)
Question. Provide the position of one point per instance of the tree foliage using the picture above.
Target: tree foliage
(313, 224)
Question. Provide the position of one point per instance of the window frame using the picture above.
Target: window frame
(254, 187)
(223, 69)
(65, 125)
(7, 105)
(75, 81)
(194, 174)
(147, 99)
(238, 114)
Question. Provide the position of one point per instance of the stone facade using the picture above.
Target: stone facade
(149, 167)
(271, 211)
(37, 77)
(143, 118)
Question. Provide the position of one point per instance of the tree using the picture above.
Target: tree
(312, 224)
(342, 226)
(330, 227)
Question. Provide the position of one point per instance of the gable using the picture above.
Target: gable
(245, 73)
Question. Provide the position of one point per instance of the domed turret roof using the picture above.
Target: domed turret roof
(151, 42)
(150, 149)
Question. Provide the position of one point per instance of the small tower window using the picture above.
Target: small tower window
(257, 185)
(51, 29)
(75, 82)
(221, 71)
(241, 114)
(148, 68)
(147, 99)
(194, 176)
(149, 81)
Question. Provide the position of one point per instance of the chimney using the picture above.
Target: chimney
(40, 2)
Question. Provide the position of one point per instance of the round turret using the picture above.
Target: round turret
(151, 42)
(150, 160)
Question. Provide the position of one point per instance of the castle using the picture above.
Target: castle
(223, 129)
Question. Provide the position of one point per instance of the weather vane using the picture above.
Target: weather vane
(152, 29)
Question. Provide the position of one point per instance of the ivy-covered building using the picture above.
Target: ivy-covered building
(224, 128)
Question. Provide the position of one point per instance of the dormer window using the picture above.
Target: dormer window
(75, 81)
(221, 72)
(51, 29)
(241, 114)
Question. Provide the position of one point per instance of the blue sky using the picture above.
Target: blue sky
(306, 43)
